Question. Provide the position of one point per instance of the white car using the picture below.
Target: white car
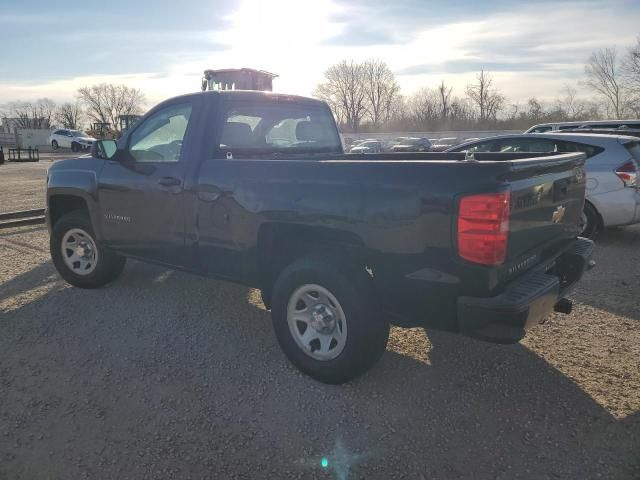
(613, 167)
(368, 146)
(76, 140)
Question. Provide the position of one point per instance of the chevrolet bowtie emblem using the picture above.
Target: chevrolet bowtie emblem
(558, 215)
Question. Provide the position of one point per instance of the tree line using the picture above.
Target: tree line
(365, 97)
(102, 103)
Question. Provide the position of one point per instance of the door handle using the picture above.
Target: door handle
(169, 181)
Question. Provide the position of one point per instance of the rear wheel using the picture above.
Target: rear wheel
(589, 221)
(54, 144)
(78, 257)
(326, 320)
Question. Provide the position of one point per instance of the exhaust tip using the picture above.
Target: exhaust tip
(563, 306)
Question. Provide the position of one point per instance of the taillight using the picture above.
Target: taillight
(628, 173)
(483, 227)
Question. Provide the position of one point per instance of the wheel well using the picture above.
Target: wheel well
(600, 220)
(281, 244)
(62, 204)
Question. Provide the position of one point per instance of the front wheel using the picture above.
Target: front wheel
(78, 257)
(75, 147)
(326, 320)
(54, 144)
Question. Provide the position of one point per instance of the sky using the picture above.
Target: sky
(50, 49)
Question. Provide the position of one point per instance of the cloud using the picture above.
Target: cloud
(532, 49)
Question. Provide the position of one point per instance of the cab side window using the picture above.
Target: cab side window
(159, 138)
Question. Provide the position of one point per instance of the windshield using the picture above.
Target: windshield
(78, 133)
(412, 141)
(369, 144)
(278, 127)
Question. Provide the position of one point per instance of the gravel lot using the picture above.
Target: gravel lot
(169, 375)
(23, 185)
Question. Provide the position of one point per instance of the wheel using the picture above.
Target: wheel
(326, 320)
(54, 144)
(589, 221)
(75, 147)
(79, 259)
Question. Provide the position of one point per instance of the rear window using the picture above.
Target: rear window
(273, 127)
(634, 150)
(568, 147)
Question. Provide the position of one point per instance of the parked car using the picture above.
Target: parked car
(395, 141)
(590, 124)
(612, 197)
(442, 144)
(253, 188)
(370, 146)
(412, 145)
(76, 140)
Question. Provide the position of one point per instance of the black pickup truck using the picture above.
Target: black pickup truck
(254, 188)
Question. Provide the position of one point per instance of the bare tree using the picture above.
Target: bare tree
(38, 114)
(604, 76)
(631, 67)
(106, 102)
(70, 115)
(444, 96)
(344, 90)
(535, 110)
(487, 99)
(380, 89)
(570, 105)
(424, 108)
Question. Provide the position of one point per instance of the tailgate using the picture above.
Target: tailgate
(547, 198)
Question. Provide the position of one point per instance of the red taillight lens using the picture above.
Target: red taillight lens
(628, 173)
(483, 228)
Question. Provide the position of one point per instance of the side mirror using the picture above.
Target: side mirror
(104, 149)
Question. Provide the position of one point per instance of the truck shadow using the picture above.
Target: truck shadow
(182, 375)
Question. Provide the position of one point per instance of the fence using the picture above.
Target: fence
(8, 139)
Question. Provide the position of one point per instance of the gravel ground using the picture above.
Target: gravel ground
(23, 185)
(165, 375)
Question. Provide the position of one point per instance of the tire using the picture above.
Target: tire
(75, 147)
(101, 268)
(360, 333)
(590, 221)
(54, 144)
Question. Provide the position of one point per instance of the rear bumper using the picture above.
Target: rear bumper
(526, 301)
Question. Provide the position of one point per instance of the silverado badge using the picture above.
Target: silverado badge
(558, 214)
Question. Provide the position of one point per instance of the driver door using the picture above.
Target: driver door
(141, 188)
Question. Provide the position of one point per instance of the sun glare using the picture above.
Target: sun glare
(280, 33)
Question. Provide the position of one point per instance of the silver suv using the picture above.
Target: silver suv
(613, 195)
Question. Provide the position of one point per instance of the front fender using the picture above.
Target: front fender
(79, 183)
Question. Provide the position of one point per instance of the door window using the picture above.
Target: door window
(159, 138)
(540, 130)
